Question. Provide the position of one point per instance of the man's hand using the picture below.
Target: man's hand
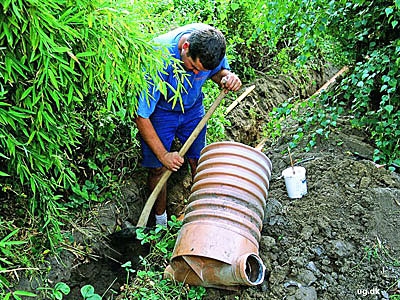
(172, 161)
(231, 82)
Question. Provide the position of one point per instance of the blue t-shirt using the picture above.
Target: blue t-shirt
(192, 96)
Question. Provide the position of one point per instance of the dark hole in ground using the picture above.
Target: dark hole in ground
(106, 274)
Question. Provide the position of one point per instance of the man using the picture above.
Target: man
(201, 51)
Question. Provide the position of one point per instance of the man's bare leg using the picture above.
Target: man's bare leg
(160, 205)
(193, 166)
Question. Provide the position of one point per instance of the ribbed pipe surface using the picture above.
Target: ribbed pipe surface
(223, 220)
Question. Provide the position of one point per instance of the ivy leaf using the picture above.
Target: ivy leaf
(389, 108)
(62, 287)
(320, 131)
(87, 291)
(388, 11)
(235, 6)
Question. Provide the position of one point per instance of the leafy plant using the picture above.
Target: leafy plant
(273, 128)
(88, 293)
(70, 74)
(217, 123)
(372, 90)
(13, 253)
(161, 239)
(148, 282)
(57, 292)
(67, 101)
(128, 268)
(6, 245)
(18, 295)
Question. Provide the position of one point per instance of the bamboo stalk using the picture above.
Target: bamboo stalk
(240, 98)
(330, 81)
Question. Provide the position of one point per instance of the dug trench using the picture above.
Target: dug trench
(340, 241)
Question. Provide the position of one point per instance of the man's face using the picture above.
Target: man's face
(189, 64)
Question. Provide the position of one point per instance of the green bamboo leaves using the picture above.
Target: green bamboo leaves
(60, 61)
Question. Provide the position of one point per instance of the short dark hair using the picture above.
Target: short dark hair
(208, 45)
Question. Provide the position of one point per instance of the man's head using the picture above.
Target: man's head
(208, 46)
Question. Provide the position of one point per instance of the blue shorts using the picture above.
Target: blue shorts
(171, 124)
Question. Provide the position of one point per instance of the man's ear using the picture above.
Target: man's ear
(186, 45)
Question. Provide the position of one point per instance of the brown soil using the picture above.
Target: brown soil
(340, 241)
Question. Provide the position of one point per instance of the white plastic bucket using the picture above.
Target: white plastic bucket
(295, 181)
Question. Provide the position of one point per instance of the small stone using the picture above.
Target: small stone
(312, 267)
(267, 242)
(342, 248)
(306, 277)
(304, 293)
(307, 232)
(365, 182)
(318, 250)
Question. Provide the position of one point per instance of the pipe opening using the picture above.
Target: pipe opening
(254, 269)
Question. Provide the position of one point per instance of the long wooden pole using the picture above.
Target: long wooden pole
(153, 196)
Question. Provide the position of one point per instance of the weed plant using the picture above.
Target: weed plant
(148, 281)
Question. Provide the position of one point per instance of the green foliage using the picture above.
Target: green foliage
(161, 239)
(217, 123)
(372, 88)
(88, 293)
(65, 72)
(62, 289)
(316, 118)
(273, 129)
(366, 33)
(6, 248)
(149, 284)
(19, 295)
(57, 292)
(362, 26)
(11, 255)
(278, 36)
(70, 73)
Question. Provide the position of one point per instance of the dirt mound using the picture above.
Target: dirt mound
(340, 241)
